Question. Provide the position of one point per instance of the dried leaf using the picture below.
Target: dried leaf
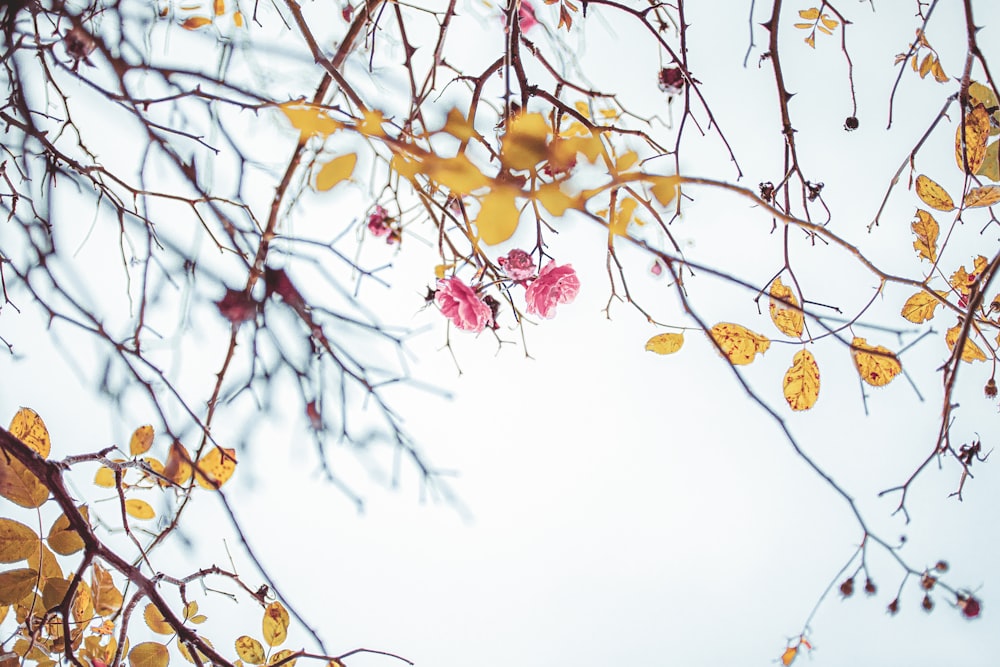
(149, 654)
(991, 162)
(63, 539)
(876, 365)
(977, 133)
(19, 485)
(801, 383)
(920, 307)
(458, 174)
(29, 428)
(275, 624)
(498, 216)
(934, 195)
(178, 466)
(970, 351)
(141, 440)
(988, 195)
(17, 541)
(45, 562)
(739, 344)
(336, 170)
(665, 343)
(17, 584)
(925, 65)
(250, 650)
(788, 320)
(789, 655)
(925, 227)
(107, 598)
(196, 22)
(54, 593)
(83, 603)
(215, 468)
(202, 658)
(281, 655)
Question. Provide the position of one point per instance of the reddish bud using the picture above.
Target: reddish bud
(237, 307)
(671, 80)
(927, 603)
(969, 605)
(315, 420)
(869, 587)
(657, 268)
(927, 581)
(347, 12)
(851, 123)
(78, 43)
(941, 566)
(894, 607)
(847, 588)
(991, 388)
(278, 282)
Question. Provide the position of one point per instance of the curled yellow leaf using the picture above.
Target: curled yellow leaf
(738, 344)
(876, 365)
(934, 195)
(784, 310)
(970, 351)
(920, 307)
(976, 133)
(178, 466)
(665, 343)
(925, 228)
(988, 195)
(801, 383)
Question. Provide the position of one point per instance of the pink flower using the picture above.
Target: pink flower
(378, 222)
(460, 304)
(526, 16)
(554, 285)
(517, 265)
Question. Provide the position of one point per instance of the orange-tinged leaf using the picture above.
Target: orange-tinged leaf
(336, 170)
(139, 509)
(988, 195)
(107, 598)
(215, 468)
(19, 485)
(788, 319)
(739, 344)
(178, 465)
(275, 624)
(309, 120)
(810, 14)
(801, 383)
(54, 593)
(498, 216)
(141, 440)
(934, 195)
(15, 585)
(664, 188)
(43, 560)
(920, 307)
(17, 541)
(238, 19)
(195, 22)
(219, 7)
(938, 72)
(925, 228)
(29, 428)
(925, 65)
(250, 650)
(281, 655)
(665, 343)
(149, 654)
(63, 539)
(789, 655)
(977, 133)
(970, 351)
(876, 365)
(83, 603)
(525, 143)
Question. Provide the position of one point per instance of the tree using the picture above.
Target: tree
(183, 178)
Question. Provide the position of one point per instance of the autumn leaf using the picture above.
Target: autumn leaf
(962, 281)
(665, 343)
(63, 539)
(43, 560)
(988, 195)
(215, 468)
(142, 440)
(281, 655)
(107, 598)
(275, 624)
(459, 126)
(250, 650)
(17, 541)
(920, 307)
(54, 592)
(801, 383)
(977, 133)
(186, 653)
(196, 22)
(83, 603)
(15, 585)
(970, 351)
(525, 143)
(155, 620)
(149, 654)
(665, 188)
(105, 477)
(19, 485)
(876, 365)
(336, 170)
(788, 320)
(789, 655)
(29, 428)
(738, 344)
(498, 216)
(309, 120)
(458, 174)
(178, 466)
(925, 228)
(555, 201)
(139, 509)
(934, 195)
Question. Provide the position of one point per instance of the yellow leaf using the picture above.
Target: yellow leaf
(626, 161)
(219, 7)
(215, 468)
(250, 650)
(666, 343)
(459, 126)
(281, 655)
(925, 65)
(962, 281)
(17, 541)
(788, 320)
(17, 584)
(980, 94)
(196, 22)
(336, 170)
(141, 441)
(991, 162)
(29, 428)
(458, 174)
(107, 598)
(554, 199)
(805, 26)
(44, 561)
(977, 133)
(988, 195)
(105, 477)
(829, 22)
(970, 351)
(19, 485)
(238, 19)
(149, 654)
(155, 620)
(498, 216)
(664, 188)
(925, 227)
(810, 14)
(938, 72)
(309, 120)
(275, 624)
(876, 365)
(178, 465)
(789, 655)
(63, 539)
(54, 593)
(739, 344)
(920, 307)
(801, 383)
(525, 143)
(139, 509)
(811, 40)
(618, 224)
(186, 653)
(371, 123)
(933, 194)
(83, 603)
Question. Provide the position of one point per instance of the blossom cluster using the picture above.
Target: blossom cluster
(469, 311)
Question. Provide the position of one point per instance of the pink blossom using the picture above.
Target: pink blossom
(460, 304)
(554, 285)
(517, 265)
(526, 16)
(378, 222)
